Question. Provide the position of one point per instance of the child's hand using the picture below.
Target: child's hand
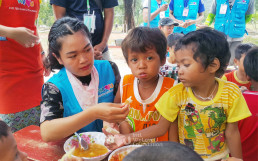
(232, 159)
(113, 142)
(111, 112)
(243, 88)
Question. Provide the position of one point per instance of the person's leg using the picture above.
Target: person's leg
(232, 47)
(106, 56)
(20, 120)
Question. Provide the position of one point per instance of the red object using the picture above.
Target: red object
(21, 69)
(248, 128)
(29, 141)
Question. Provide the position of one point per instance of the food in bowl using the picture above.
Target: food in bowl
(120, 153)
(97, 150)
(94, 150)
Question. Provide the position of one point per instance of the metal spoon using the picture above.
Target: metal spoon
(84, 144)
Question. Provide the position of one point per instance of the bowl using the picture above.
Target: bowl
(90, 137)
(120, 153)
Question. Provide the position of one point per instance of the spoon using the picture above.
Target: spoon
(84, 144)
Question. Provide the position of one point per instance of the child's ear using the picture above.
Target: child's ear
(58, 59)
(214, 66)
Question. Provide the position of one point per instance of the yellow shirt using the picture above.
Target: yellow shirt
(202, 124)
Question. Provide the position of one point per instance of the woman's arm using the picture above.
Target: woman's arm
(22, 35)
(154, 14)
(233, 140)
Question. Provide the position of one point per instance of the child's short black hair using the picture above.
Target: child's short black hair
(208, 44)
(242, 49)
(4, 129)
(251, 63)
(62, 27)
(140, 39)
(163, 151)
(173, 38)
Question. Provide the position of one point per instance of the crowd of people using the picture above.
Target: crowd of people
(179, 87)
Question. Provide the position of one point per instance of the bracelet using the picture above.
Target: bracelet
(42, 52)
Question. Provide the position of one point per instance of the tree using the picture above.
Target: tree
(129, 14)
(46, 16)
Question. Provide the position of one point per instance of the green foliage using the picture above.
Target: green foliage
(46, 16)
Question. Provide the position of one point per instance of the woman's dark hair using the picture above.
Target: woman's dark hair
(4, 129)
(242, 49)
(251, 63)
(62, 27)
(207, 44)
(140, 39)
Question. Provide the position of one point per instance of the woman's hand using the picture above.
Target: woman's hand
(24, 36)
(111, 112)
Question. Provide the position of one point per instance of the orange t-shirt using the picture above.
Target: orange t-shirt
(233, 78)
(143, 112)
(21, 69)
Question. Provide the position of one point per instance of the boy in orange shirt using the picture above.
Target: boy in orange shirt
(145, 52)
(239, 76)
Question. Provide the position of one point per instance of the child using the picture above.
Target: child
(69, 98)
(8, 147)
(145, 52)
(169, 69)
(238, 76)
(207, 108)
(249, 127)
(166, 25)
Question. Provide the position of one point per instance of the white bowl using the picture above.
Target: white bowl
(94, 137)
(123, 151)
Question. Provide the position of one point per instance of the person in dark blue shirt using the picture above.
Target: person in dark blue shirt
(77, 8)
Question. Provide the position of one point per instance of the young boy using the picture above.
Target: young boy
(239, 76)
(249, 127)
(166, 25)
(169, 69)
(207, 108)
(8, 146)
(145, 52)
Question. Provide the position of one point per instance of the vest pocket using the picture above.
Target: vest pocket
(240, 10)
(239, 29)
(219, 27)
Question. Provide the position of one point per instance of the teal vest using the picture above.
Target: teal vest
(233, 22)
(105, 92)
(154, 6)
(193, 6)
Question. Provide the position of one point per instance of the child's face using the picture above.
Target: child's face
(240, 63)
(167, 30)
(9, 151)
(190, 72)
(145, 66)
(172, 58)
(77, 54)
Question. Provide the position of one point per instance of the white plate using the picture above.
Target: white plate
(125, 149)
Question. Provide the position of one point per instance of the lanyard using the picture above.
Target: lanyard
(88, 5)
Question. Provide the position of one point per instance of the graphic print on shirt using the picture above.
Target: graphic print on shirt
(217, 117)
(29, 3)
(212, 132)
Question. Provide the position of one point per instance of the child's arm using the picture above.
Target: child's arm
(151, 132)
(233, 140)
(118, 96)
(173, 131)
(60, 128)
(125, 128)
